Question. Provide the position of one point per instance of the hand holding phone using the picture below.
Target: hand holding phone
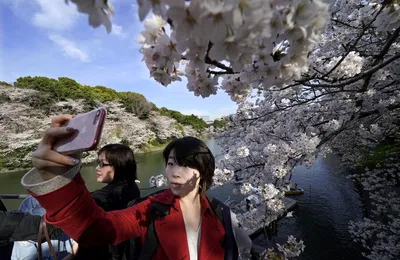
(88, 129)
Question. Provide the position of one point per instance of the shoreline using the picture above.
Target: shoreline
(151, 150)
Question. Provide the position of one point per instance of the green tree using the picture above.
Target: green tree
(137, 104)
(192, 120)
(5, 84)
(104, 94)
(219, 123)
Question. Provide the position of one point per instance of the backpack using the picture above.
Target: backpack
(135, 251)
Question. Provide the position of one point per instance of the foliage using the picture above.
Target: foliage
(10, 159)
(180, 127)
(219, 123)
(4, 98)
(380, 153)
(137, 104)
(5, 84)
(155, 144)
(40, 100)
(66, 88)
(196, 122)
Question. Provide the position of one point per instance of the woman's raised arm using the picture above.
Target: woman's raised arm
(56, 183)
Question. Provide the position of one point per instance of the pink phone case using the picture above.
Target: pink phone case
(88, 127)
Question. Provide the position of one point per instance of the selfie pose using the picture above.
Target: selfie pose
(116, 168)
(185, 221)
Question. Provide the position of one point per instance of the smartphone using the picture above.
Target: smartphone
(88, 128)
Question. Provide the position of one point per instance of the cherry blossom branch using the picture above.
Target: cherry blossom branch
(299, 103)
(376, 111)
(217, 64)
(388, 44)
(368, 73)
(380, 56)
(358, 77)
(355, 43)
(352, 122)
(249, 167)
(343, 23)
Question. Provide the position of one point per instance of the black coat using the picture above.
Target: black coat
(116, 195)
(18, 226)
(113, 196)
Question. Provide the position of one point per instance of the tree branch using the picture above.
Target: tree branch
(355, 43)
(376, 111)
(343, 23)
(380, 56)
(218, 65)
(358, 77)
(218, 72)
(360, 115)
(249, 167)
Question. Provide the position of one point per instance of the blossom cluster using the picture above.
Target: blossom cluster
(249, 44)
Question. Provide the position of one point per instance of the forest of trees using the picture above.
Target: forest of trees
(53, 90)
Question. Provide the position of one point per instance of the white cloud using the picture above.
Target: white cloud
(118, 31)
(69, 48)
(55, 15)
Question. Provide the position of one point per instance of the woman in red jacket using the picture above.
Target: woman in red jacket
(190, 231)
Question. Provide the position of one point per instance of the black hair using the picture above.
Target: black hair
(121, 157)
(194, 153)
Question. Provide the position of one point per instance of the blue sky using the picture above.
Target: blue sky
(49, 38)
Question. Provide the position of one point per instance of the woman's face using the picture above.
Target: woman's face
(181, 180)
(104, 171)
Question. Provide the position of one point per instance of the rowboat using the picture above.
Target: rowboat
(294, 191)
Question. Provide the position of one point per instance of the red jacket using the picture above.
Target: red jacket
(73, 209)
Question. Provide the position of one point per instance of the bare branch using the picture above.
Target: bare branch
(218, 72)
(219, 65)
(343, 23)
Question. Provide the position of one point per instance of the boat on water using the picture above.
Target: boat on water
(238, 180)
(294, 191)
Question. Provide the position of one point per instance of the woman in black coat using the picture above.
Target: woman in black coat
(117, 168)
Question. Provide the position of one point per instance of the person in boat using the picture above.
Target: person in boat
(117, 168)
(28, 249)
(191, 230)
(19, 226)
